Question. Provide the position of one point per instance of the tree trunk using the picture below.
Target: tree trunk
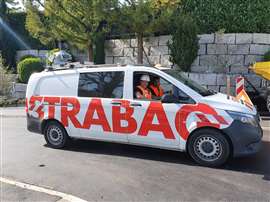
(90, 53)
(140, 49)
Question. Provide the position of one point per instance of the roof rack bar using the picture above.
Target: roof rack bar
(76, 65)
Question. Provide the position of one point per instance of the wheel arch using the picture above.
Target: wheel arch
(211, 128)
(45, 122)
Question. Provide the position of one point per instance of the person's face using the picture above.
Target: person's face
(144, 84)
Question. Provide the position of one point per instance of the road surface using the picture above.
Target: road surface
(96, 171)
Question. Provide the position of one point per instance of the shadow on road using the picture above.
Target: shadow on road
(256, 164)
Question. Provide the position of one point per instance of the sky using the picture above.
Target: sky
(20, 3)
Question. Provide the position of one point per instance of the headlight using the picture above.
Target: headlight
(244, 118)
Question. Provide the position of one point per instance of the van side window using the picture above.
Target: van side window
(159, 87)
(101, 84)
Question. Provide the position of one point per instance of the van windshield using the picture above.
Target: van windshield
(192, 84)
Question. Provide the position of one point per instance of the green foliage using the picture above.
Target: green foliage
(27, 67)
(26, 56)
(77, 22)
(5, 9)
(39, 26)
(184, 45)
(145, 17)
(234, 16)
(266, 56)
(5, 79)
(9, 45)
(8, 102)
(99, 51)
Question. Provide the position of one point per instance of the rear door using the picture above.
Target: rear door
(101, 96)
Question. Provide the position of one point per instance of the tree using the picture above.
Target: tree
(184, 46)
(144, 17)
(7, 43)
(39, 25)
(6, 6)
(77, 22)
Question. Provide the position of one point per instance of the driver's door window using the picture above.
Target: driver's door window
(156, 84)
(172, 91)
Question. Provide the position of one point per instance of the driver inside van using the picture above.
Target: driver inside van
(142, 92)
(155, 88)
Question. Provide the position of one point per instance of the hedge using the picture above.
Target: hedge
(235, 16)
(28, 66)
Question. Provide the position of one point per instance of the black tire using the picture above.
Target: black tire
(268, 103)
(56, 135)
(209, 147)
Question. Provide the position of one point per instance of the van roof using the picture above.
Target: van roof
(78, 66)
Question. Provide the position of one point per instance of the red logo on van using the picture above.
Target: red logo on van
(70, 108)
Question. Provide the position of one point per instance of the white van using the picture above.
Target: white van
(99, 103)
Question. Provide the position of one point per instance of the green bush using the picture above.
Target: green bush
(28, 66)
(184, 46)
(27, 56)
(234, 16)
(266, 56)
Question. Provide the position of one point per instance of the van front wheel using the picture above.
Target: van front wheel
(55, 135)
(209, 147)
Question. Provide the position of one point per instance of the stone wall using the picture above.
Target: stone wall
(218, 55)
(217, 81)
(18, 90)
(228, 53)
(125, 51)
(38, 53)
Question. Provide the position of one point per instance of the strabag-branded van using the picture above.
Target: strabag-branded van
(101, 103)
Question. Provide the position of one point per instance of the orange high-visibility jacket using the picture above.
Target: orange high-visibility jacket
(157, 90)
(145, 92)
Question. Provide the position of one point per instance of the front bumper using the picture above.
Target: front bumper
(246, 139)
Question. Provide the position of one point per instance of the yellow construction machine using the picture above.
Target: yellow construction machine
(263, 69)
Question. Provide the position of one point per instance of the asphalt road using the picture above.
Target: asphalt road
(97, 171)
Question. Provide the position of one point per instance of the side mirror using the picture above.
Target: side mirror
(169, 99)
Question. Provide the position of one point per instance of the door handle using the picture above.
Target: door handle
(115, 103)
(136, 104)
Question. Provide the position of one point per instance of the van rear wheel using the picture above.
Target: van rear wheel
(209, 147)
(55, 135)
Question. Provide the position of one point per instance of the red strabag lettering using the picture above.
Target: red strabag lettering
(70, 114)
(96, 106)
(32, 105)
(182, 115)
(51, 102)
(117, 117)
(156, 109)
